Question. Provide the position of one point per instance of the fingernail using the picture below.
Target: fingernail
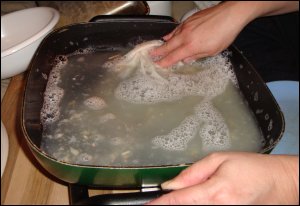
(167, 185)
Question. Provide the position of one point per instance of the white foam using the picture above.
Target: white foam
(50, 110)
(147, 89)
(146, 83)
(178, 138)
(210, 124)
(214, 131)
(53, 94)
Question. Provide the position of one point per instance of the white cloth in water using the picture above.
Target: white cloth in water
(144, 82)
(138, 58)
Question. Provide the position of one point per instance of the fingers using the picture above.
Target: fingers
(186, 196)
(197, 173)
(166, 48)
(195, 185)
(199, 194)
(170, 45)
(175, 31)
(175, 49)
(173, 57)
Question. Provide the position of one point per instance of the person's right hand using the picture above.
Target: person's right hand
(205, 33)
(210, 31)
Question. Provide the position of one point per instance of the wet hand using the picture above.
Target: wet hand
(206, 33)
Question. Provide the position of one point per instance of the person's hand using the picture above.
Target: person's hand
(205, 33)
(210, 31)
(236, 178)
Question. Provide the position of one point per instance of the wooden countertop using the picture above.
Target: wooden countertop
(24, 181)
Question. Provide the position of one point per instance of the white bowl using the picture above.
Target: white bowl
(4, 147)
(21, 33)
(160, 7)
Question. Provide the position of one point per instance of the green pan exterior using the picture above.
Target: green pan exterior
(107, 176)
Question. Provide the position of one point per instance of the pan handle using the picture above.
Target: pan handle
(133, 18)
(136, 198)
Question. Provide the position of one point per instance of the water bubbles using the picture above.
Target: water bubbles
(149, 84)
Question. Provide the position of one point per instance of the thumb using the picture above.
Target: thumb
(198, 194)
(197, 173)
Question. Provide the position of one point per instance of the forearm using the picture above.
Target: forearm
(290, 175)
(199, 35)
(268, 8)
(247, 11)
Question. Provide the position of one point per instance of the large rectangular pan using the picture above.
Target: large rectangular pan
(112, 31)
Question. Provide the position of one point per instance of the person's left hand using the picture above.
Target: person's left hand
(236, 178)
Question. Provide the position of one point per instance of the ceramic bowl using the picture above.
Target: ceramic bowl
(4, 147)
(21, 33)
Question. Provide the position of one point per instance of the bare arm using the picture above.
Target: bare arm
(269, 8)
(210, 31)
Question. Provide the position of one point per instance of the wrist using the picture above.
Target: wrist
(290, 186)
(293, 165)
(241, 12)
(254, 9)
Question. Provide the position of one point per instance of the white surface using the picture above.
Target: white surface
(4, 147)
(199, 5)
(21, 33)
(160, 7)
(188, 14)
(206, 4)
(286, 94)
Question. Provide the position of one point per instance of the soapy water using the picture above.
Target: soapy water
(52, 97)
(95, 103)
(150, 86)
(214, 132)
(53, 94)
(137, 114)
